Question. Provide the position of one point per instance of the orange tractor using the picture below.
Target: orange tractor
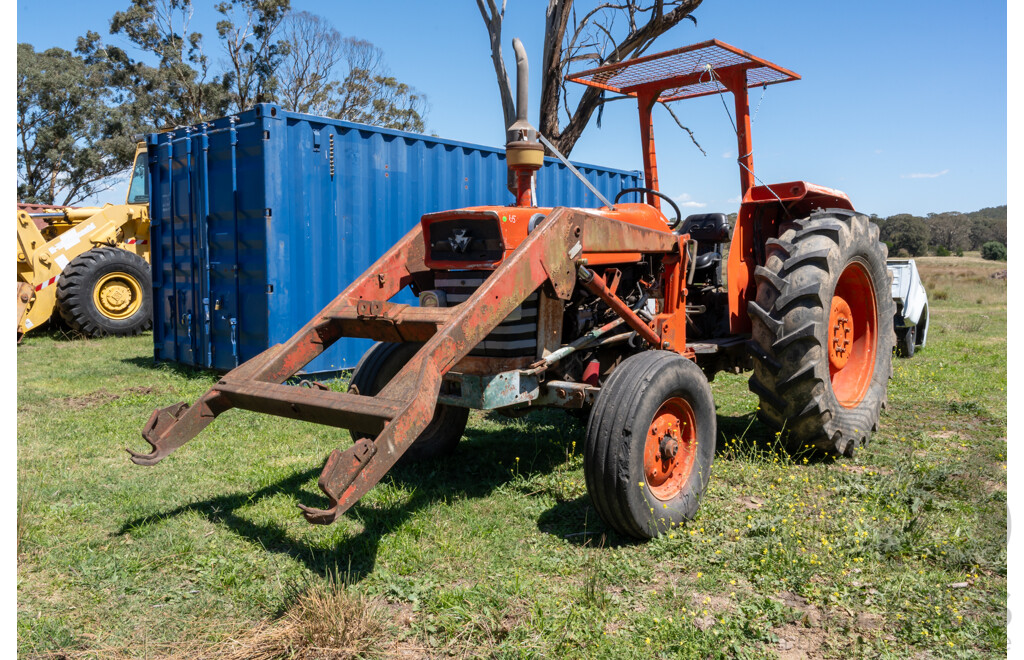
(621, 311)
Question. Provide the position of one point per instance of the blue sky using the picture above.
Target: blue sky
(902, 104)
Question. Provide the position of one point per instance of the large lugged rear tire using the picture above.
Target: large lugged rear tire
(376, 369)
(106, 291)
(823, 332)
(650, 444)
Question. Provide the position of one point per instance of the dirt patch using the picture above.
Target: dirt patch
(800, 643)
(870, 621)
(102, 396)
(869, 470)
(811, 615)
(712, 603)
(990, 486)
(751, 502)
(402, 613)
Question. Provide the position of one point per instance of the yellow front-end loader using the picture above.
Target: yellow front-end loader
(90, 264)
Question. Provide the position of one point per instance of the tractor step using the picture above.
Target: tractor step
(366, 414)
(716, 345)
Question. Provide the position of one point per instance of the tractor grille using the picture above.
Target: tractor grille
(516, 336)
(466, 239)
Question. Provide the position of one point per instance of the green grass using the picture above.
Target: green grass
(898, 552)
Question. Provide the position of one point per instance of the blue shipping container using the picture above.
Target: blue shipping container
(260, 219)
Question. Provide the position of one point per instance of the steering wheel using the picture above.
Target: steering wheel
(679, 216)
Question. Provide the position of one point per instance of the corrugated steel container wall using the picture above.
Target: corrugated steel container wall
(261, 219)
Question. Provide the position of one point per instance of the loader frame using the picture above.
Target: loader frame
(548, 258)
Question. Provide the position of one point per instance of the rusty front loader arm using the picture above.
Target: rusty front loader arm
(401, 411)
(173, 426)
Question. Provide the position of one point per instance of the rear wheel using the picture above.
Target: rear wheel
(106, 291)
(822, 331)
(650, 444)
(376, 369)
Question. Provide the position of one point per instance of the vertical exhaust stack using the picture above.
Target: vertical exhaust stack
(523, 153)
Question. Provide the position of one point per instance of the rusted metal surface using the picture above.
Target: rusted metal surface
(366, 414)
(403, 409)
(472, 364)
(589, 339)
(564, 394)
(541, 256)
(670, 324)
(390, 322)
(495, 390)
(550, 313)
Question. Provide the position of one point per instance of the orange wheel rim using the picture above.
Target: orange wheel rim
(852, 335)
(671, 448)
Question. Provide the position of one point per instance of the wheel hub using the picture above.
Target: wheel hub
(117, 295)
(840, 323)
(671, 449)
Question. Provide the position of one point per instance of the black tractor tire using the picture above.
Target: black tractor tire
(637, 488)
(799, 325)
(905, 341)
(376, 369)
(106, 291)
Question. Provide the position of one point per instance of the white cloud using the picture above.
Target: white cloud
(734, 200)
(685, 201)
(728, 154)
(924, 175)
(878, 151)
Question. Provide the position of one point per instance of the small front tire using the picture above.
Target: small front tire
(650, 444)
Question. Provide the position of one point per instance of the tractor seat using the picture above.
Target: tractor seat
(710, 230)
(706, 227)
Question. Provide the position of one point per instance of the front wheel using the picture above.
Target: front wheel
(106, 291)
(650, 444)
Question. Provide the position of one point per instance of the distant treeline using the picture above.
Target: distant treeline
(942, 233)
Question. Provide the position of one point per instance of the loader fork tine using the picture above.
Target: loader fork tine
(349, 474)
(171, 427)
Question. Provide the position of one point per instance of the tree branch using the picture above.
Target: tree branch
(493, 19)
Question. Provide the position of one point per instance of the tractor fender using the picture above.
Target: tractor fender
(763, 209)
